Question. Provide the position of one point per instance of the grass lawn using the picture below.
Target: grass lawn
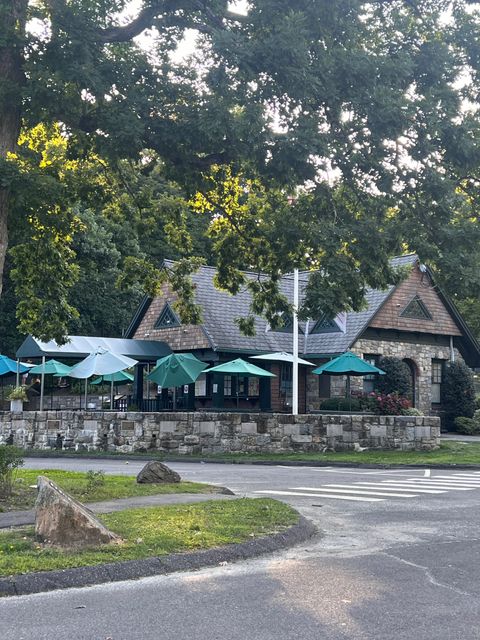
(153, 531)
(450, 452)
(77, 485)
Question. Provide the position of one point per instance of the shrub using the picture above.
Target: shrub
(458, 392)
(10, 459)
(341, 404)
(95, 480)
(412, 411)
(18, 393)
(477, 402)
(390, 404)
(397, 378)
(468, 426)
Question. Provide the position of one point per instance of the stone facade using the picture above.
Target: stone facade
(186, 433)
(420, 355)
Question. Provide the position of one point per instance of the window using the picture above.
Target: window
(369, 381)
(286, 324)
(416, 310)
(167, 318)
(227, 385)
(253, 387)
(201, 385)
(286, 383)
(437, 376)
(325, 325)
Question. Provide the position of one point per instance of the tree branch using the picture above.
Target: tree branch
(126, 32)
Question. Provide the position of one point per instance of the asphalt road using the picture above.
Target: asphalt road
(393, 562)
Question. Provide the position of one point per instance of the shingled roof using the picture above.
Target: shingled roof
(220, 309)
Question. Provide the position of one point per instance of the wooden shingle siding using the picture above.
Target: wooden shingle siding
(183, 338)
(416, 284)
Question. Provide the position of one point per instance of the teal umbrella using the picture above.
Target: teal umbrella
(7, 365)
(348, 364)
(51, 367)
(120, 376)
(240, 368)
(176, 370)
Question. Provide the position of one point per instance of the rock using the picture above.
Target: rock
(61, 520)
(155, 472)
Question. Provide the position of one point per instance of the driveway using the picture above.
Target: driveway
(398, 558)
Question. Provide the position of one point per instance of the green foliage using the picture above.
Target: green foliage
(458, 392)
(397, 378)
(341, 404)
(411, 411)
(11, 459)
(468, 426)
(95, 480)
(18, 393)
(328, 101)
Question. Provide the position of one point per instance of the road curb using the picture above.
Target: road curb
(40, 582)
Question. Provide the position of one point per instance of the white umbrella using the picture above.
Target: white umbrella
(282, 356)
(99, 363)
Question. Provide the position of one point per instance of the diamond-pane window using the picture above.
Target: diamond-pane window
(167, 318)
(325, 325)
(417, 310)
(287, 324)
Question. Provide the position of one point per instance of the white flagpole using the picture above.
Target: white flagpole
(295, 345)
(42, 384)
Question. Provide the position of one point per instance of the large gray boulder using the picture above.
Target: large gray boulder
(155, 472)
(63, 521)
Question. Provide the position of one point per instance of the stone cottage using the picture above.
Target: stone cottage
(414, 321)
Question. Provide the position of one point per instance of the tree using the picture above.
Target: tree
(397, 378)
(354, 107)
(458, 392)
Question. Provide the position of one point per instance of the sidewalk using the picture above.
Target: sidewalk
(22, 518)
(459, 437)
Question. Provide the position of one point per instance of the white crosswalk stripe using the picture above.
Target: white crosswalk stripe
(412, 487)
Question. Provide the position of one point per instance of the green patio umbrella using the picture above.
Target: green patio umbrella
(176, 370)
(241, 368)
(119, 376)
(49, 367)
(348, 364)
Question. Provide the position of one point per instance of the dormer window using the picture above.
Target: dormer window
(326, 325)
(167, 318)
(286, 324)
(416, 310)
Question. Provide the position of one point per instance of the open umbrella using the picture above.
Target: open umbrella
(49, 367)
(100, 363)
(120, 376)
(281, 356)
(348, 364)
(176, 370)
(7, 365)
(240, 368)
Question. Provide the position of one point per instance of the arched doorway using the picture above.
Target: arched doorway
(413, 378)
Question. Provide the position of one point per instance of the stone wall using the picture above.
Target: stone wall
(185, 433)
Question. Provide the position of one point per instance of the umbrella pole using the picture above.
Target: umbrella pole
(17, 383)
(238, 386)
(174, 398)
(86, 391)
(111, 394)
(42, 383)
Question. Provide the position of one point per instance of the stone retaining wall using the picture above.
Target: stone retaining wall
(185, 433)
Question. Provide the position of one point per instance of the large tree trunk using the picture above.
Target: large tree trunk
(12, 33)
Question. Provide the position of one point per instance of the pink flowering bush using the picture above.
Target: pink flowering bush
(388, 404)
